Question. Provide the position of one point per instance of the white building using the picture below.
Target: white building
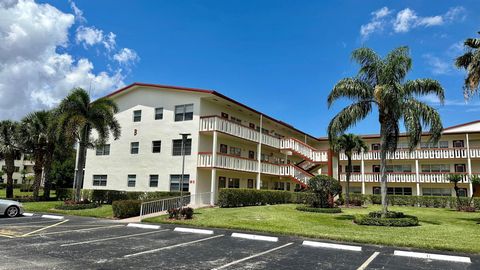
(22, 163)
(234, 146)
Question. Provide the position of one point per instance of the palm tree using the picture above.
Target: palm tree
(381, 83)
(33, 136)
(455, 179)
(9, 149)
(349, 144)
(470, 61)
(78, 118)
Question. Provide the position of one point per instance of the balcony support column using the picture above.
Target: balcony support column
(259, 154)
(469, 164)
(417, 177)
(213, 182)
(362, 167)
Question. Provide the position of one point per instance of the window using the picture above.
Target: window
(436, 192)
(222, 182)
(250, 183)
(131, 180)
(137, 116)
(223, 148)
(234, 119)
(224, 115)
(233, 183)
(177, 147)
(251, 154)
(398, 168)
(235, 151)
(15, 168)
(156, 146)
(154, 180)
(460, 168)
(183, 112)
(443, 144)
(440, 144)
(100, 180)
(279, 186)
(355, 190)
(458, 143)
(103, 150)
(356, 168)
(175, 182)
(375, 146)
(134, 148)
(394, 190)
(432, 168)
(251, 125)
(288, 186)
(462, 192)
(375, 168)
(158, 113)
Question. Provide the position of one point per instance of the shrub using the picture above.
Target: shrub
(108, 196)
(186, 212)
(251, 197)
(173, 213)
(405, 221)
(126, 208)
(324, 188)
(390, 214)
(319, 210)
(64, 194)
(78, 206)
(177, 213)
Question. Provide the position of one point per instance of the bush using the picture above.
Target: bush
(186, 212)
(126, 208)
(177, 213)
(108, 196)
(405, 221)
(319, 210)
(78, 206)
(173, 213)
(64, 194)
(390, 214)
(324, 188)
(250, 197)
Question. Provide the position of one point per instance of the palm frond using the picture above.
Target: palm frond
(352, 88)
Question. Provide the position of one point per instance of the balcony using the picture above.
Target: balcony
(216, 123)
(431, 153)
(405, 177)
(229, 162)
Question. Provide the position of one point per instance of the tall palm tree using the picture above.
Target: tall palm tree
(470, 61)
(9, 149)
(33, 137)
(381, 83)
(78, 118)
(349, 144)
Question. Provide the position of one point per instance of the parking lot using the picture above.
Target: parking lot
(54, 242)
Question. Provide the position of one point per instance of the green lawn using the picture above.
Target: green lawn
(104, 211)
(442, 229)
(17, 192)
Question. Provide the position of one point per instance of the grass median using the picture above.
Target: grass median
(442, 229)
(104, 211)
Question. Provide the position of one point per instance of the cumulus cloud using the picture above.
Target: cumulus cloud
(126, 56)
(90, 36)
(36, 70)
(408, 19)
(78, 12)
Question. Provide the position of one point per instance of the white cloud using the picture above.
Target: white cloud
(376, 23)
(78, 12)
(126, 56)
(34, 74)
(408, 19)
(436, 65)
(89, 35)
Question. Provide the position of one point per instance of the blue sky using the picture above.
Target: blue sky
(280, 57)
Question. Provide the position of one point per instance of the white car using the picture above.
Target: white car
(10, 208)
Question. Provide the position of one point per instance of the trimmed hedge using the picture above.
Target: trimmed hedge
(108, 196)
(80, 206)
(126, 208)
(406, 200)
(250, 197)
(334, 210)
(372, 220)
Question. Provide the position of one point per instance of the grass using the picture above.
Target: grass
(442, 229)
(17, 192)
(104, 211)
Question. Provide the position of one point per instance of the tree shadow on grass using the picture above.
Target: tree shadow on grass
(344, 217)
(475, 220)
(431, 222)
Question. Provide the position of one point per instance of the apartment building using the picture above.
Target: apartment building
(23, 168)
(231, 145)
(423, 171)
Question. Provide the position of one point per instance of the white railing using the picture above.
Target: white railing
(304, 150)
(191, 200)
(437, 153)
(404, 177)
(297, 173)
(475, 152)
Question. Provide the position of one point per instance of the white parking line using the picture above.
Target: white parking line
(330, 245)
(430, 256)
(174, 246)
(143, 226)
(251, 257)
(255, 237)
(110, 238)
(368, 261)
(28, 214)
(52, 217)
(79, 230)
(190, 230)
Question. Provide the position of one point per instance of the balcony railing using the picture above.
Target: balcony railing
(437, 153)
(216, 123)
(205, 160)
(405, 177)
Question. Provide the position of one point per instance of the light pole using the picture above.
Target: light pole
(184, 140)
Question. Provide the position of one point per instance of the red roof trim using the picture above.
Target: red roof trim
(208, 92)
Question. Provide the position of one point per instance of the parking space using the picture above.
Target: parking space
(87, 243)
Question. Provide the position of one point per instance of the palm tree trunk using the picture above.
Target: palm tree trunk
(9, 169)
(349, 172)
(80, 164)
(47, 169)
(38, 170)
(383, 169)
